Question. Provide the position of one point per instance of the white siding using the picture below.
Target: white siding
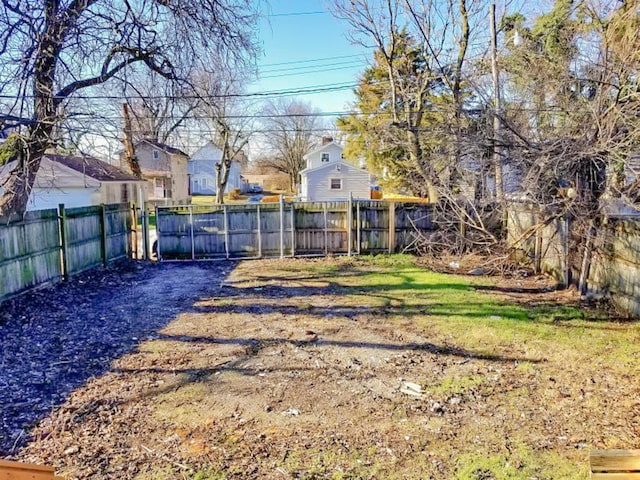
(202, 166)
(41, 199)
(316, 184)
(314, 159)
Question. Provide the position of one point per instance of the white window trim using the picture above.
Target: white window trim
(323, 156)
(331, 184)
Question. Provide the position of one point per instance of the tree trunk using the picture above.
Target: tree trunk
(22, 177)
(223, 168)
(422, 165)
(129, 150)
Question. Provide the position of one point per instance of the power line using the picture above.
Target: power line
(308, 72)
(314, 60)
(322, 65)
(269, 93)
(297, 14)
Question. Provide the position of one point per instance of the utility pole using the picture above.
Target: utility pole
(497, 137)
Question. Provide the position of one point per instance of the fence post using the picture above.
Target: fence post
(293, 230)
(537, 252)
(226, 230)
(259, 231)
(349, 223)
(62, 222)
(145, 230)
(392, 227)
(326, 226)
(358, 228)
(193, 241)
(133, 230)
(158, 252)
(103, 234)
(281, 226)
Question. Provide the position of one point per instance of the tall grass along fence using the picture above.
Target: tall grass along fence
(289, 229)
(602, 260)
(48, 245)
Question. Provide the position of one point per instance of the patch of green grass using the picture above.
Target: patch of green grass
(456, 385)
(208, 474)
(519, 463)
(152, 221)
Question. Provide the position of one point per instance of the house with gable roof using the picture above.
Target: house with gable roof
(78, 182)
(202, 171)
(328, 176)
(165, 170)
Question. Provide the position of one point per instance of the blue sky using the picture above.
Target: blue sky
(304, 45)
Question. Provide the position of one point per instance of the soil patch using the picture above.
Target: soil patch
(331, 368)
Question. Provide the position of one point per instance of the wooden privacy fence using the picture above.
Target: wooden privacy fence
(47, 245)
(289, 229)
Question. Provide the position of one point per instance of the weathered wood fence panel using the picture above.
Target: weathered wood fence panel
(29, 252)
(83, 239)
(289, 229)
(547, 246)
(608, 263)
(48, 245)
(96, 235)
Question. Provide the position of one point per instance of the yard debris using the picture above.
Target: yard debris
(411, 388)
(291, 411)
(476, 272)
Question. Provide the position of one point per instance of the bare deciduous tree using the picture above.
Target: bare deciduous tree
(290, 129)
(226, 115)
(51, 50)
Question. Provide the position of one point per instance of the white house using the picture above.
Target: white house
(78, 182)
(202, 170)
(329, 177)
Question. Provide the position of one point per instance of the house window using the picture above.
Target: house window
(156, 154)
(336, 184)
(325, 157)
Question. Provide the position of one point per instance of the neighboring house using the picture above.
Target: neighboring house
(329, 177)
(165, 170)
(78, 182)
(202, 170)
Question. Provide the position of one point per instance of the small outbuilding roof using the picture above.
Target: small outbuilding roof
(94, 168)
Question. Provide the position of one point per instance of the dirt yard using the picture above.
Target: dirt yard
(369, 368)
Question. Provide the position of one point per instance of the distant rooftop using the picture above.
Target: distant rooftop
(94, 168)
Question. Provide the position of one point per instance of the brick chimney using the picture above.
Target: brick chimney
(326, 140)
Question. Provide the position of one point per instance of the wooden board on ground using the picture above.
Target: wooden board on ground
(615, 464)
(26, 471)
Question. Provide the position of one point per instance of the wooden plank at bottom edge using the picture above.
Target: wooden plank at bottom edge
(27, 475)
(615, 460)
(11, 465)
(10, 470)
(615, 476)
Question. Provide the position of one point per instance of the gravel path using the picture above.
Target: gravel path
(53, 339)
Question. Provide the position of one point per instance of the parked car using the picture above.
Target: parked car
(255, 188)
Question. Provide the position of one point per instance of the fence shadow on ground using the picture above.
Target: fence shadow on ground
(53, 340)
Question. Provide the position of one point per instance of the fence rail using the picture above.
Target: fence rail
(47, 245)
(289, 229)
